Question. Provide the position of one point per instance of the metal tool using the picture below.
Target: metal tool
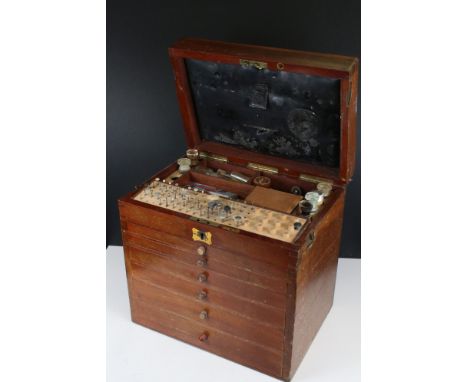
(214, 191)
(233, 175)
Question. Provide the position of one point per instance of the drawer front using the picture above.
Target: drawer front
(212, 340)
(207, 314)
(273, 269)
(191, 288)
(208, 258)
(262, 249)
(210, 279)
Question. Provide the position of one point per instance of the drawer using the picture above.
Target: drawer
(260, 248)
(208, 258)
(209, 279)
(261, 313)
(269, 267)
(210, 339)
(208, 314)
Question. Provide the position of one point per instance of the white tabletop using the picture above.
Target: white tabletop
(138, 354)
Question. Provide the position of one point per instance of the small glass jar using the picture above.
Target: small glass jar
(184, 165)
(192, 154)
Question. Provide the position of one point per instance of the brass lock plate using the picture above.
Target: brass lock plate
(204, 237)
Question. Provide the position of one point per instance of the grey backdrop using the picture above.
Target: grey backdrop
(144, 127)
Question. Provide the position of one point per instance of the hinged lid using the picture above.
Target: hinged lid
(288, 110)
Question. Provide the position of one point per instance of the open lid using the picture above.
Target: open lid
(290, 110)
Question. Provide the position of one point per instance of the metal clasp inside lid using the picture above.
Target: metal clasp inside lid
(255, 64)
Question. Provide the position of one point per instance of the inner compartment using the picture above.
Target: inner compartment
(198, 178)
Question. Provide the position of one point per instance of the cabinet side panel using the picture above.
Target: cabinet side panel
(315, 283)
(128, 266)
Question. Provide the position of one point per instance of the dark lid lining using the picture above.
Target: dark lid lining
(282, 114)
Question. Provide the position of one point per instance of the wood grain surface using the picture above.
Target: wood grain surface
(273, 199)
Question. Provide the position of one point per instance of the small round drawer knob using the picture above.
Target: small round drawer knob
(202, 295)
(201, 262)
(203, 337)
(202, 277)
(203, 315)
(201, 250)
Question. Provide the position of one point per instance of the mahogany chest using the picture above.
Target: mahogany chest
(233, 247)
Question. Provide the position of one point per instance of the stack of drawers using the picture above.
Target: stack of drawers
(224, 298)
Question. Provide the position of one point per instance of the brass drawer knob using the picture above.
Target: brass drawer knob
(201, 250)
(202, 262)
(203, 315)
(202, 277)
(203, 337)
(202, 295)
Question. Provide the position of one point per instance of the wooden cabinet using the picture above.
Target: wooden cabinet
(249, 297)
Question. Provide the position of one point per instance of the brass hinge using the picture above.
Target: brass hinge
(211, 156)
(256, 64)
(262, 168)
(314, 179)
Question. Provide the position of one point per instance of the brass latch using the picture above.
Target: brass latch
(262, 168)
(255, 64)
(198, 235)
